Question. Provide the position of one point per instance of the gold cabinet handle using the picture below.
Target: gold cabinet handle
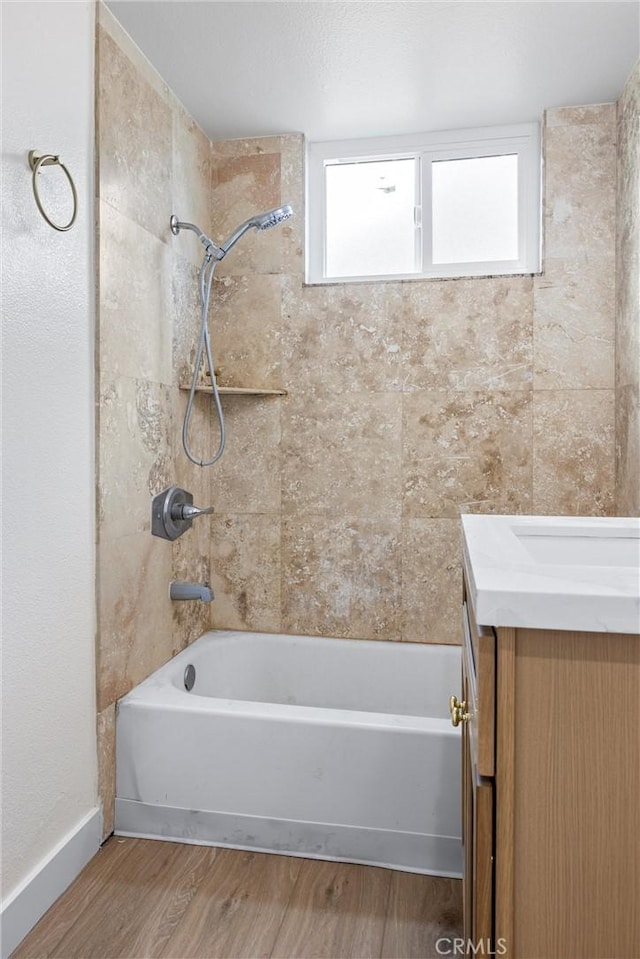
(458, 711)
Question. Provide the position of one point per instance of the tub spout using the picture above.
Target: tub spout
(179, 591)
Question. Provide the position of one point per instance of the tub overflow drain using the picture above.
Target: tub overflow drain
(189, 677)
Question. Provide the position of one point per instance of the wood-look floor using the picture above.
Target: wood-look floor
(144, 898)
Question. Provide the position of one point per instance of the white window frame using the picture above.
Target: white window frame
(521, 139)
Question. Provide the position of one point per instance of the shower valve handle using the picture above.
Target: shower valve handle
(186, 511)
(172, 512)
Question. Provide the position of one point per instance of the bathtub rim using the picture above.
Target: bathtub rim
(167, 697)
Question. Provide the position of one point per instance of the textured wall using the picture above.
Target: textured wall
(48, 692)
(628, 301)
(153, 160)
(408, 402)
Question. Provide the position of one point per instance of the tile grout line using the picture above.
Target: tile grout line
(281, 419)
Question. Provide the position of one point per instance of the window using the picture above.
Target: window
(463, 203)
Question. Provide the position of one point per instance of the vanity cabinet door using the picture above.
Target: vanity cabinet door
(479, 653)
(478, 844)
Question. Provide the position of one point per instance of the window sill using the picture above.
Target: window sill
(344, 281)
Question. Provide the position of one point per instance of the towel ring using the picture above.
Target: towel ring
(36, 160)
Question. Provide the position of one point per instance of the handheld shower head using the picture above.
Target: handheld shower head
(273, 217)
(263, 221)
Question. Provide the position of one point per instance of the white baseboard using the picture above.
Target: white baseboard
(409, 852)
(29, 902)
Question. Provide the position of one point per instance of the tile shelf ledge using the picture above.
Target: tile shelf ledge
(235, 390)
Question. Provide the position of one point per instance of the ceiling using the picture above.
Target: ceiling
(335, 70)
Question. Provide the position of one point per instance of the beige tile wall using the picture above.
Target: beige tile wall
(628, 301)
(574, 317)
(407, 403)
(152, 160)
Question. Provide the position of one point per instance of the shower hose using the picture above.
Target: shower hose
(205, 280)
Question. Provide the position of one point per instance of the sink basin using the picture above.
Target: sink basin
(589, 546)
(554, 572)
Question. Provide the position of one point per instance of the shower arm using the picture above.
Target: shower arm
(212, 251)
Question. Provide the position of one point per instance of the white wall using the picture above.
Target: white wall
(48, 686)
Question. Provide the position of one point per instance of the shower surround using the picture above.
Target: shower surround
(337, 505)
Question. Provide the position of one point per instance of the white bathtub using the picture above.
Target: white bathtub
(326, 748)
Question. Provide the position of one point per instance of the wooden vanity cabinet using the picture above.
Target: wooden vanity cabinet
(551, 792)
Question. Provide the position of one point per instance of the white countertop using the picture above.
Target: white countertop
(543, 572)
